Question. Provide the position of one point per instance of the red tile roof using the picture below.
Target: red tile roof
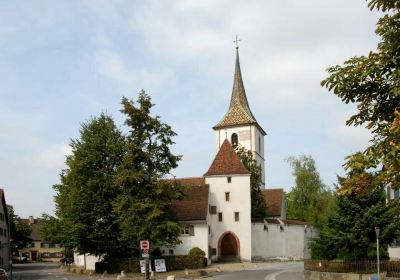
(273, 198)
(275, 221)
(188, 182)
(194, 204)
(226, 162)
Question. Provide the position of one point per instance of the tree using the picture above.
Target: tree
(143, 206)
(309, 200)
(349, 233)
(50, 228)
(19, 229)
(84, 199)
(258, 206)
(372, 82)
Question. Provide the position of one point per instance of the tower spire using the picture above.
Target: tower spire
(239, 112)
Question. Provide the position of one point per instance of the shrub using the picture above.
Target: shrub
(196, 251)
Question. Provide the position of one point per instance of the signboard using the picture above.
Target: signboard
(143, 266)
(160, 265)
(145, 255)
(144, 245)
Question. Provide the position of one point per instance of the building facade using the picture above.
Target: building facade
(4, 233)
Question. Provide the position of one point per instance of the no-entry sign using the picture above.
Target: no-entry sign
(144, 244)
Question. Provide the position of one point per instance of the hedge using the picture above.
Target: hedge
(132, 264)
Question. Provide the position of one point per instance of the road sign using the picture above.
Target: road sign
(160, 265)
(144, 245)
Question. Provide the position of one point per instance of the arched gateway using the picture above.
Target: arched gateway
(228, 245)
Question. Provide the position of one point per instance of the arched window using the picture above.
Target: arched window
(234, 140)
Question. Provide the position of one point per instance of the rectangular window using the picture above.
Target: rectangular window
(209, 230)
(187, 230)
(213, 209)
(236, 216)
(219, 216)
(229, 179)
(227, 196)
(214, 251)
(171, 252)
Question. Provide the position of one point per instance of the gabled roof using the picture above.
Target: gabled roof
(188, 182)
(226, 162)
(239, 112)
(273, 198)
(194, 204)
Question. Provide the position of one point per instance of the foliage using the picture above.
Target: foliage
(309, 200)
(131, 265)
(84, 199)
(258, 206)
(349, 233)
(196, 251)
(143, 205)
(373, 83)
(19, 229)
(50, 228)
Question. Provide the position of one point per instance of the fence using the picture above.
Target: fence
(392, 268)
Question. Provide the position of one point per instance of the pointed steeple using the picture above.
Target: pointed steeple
(239, 112)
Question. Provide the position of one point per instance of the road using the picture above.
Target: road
(41, 271)
(292, 271)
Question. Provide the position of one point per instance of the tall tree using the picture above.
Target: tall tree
(309, 200)
(50, 228)
(349, 233)
(373, 83)
(143, 206)
(84, 199)
(19, 229)
(258, 206)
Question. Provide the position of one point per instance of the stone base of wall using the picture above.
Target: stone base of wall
(315, 275)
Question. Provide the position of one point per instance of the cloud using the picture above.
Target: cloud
(51, 157)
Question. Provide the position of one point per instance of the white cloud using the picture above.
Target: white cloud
(51, 157)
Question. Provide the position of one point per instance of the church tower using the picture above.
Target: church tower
(239, 125)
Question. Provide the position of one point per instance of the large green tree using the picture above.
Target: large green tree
(19, 228)
(50, 228)
(84, 199)
(143, 206)
(372, 82)
(258, 206)
(309, 200)
(349, 233)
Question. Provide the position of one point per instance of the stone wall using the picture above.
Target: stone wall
(315, 275)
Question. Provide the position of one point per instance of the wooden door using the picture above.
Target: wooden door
(229, 245)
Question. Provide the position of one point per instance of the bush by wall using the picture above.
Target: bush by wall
(133, 265)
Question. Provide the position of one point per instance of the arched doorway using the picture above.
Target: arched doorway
(228, 245)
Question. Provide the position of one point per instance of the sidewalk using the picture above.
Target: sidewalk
(193, 274)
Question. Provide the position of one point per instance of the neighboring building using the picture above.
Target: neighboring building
(4, 232)
(40, 249)
(216, 211)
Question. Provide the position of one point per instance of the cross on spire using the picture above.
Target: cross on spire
(237, 40)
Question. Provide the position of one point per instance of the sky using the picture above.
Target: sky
(62, 62)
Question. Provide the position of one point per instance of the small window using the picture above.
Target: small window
(236, 216)
(171, 251)
(209, 230)
(187, 230)
(214, 251)
(213, 209)
(227, 196)
(234, 140)
(229, 179)
(219, 216)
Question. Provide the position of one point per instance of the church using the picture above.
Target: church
(215, 213)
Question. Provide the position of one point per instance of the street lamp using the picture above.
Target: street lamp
(377, 230)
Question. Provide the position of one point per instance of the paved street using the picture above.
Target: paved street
(39, 271)
(290, 271)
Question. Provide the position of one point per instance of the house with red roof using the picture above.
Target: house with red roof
(215, 213)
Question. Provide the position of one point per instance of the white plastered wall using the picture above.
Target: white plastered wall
(239, 194)
(290, 243)
(199, 239)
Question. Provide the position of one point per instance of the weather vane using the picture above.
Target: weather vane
(237, 41)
